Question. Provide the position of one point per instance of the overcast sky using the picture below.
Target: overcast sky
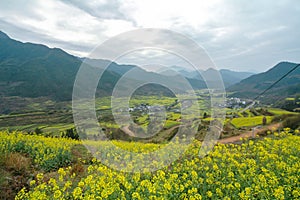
(238, 34)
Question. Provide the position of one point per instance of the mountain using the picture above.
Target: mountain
(229, 77)
(35, 70)
(255, 84)
(112, 66)
(232, 77)
(175, 70)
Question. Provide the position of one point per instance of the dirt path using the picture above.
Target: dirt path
(248, 134)
(126, 130)
(223, 141)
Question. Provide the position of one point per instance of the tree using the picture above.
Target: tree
(264, 120)
(71, 133)
(38, 131)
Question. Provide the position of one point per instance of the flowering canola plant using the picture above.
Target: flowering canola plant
(48, 153)
(262, 169)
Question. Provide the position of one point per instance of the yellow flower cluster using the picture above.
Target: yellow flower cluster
(263, 169)
(48, 153)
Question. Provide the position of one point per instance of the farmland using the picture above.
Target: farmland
(249, 121)
(257, 169)
(53, 119)
(42, 161)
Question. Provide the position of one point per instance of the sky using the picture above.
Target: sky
(237, 34)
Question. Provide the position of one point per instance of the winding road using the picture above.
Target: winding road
(248, 134)
(232, 139)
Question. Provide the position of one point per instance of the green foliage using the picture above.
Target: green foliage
(38, 131)
(292, 122)
(70, 133)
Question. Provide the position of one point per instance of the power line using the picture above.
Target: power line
(293, 69)
(260, 94)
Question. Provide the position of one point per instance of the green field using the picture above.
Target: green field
(52, 118)
(249, 121)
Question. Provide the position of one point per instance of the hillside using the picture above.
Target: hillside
(35, 70)
(255, 84)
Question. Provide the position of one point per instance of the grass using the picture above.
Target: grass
(17, 163)
(15, 170)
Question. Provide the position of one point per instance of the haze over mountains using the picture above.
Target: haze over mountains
(229, 77)
(34, 70)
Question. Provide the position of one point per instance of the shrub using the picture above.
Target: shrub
(292, 122)
(17, 163)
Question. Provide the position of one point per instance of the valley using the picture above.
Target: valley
(236, 141)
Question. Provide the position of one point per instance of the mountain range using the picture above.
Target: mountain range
(229, 77)
(35, 70)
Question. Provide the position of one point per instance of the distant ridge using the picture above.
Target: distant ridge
(35, 70)
(229, 77)
(255, 84)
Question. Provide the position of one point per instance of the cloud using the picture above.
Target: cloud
(58, 24)
(103, 9)
(240, 35)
